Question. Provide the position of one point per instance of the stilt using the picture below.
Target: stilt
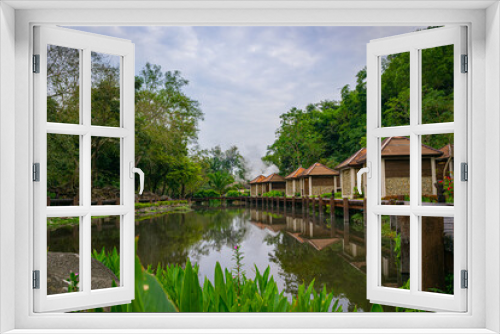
(346, 210)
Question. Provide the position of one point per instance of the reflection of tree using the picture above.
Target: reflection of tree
(302, 263)
(172, 238)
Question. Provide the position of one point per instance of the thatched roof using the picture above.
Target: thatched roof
(295, 174)
(318, 169)
(391, 147)
(399, 147)
(351, 161)
(273, 178)
(258, 179)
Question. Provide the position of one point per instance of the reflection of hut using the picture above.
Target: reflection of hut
(255, 185)
(318, 179)
(273, 182)
(293, 183)
(348, 170)
(442, 160)
(395, 167)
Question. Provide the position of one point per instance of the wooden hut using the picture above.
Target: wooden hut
(273, 182)
(293, 182)
(395, 167)
(348, 170)
(255, 186)
(318, 179)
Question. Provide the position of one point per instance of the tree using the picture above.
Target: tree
(229, 161)
(219, 181)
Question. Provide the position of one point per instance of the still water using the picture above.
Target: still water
(297, 248)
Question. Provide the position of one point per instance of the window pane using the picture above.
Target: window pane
(437, 84)
(395, 236)
(63, 250)
(63, 170)
(63, 85)
(105, 252)
(395, 170)
(437, 254)
(105, 171)
(105, 89)
(437, 169)
(395, 89)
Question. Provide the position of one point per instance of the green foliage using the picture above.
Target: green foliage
(110, 259)
(220, 181)
(227, 295)
(230, 161)
(73, 282)
(331, 131)
(235, 193)
(326, 195)
(376, 308)
(150, 295)
(206, 193)
(357, 218)
(166, 122)
(54, 222)
(274, 193)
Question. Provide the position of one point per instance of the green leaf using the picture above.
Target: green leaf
(376, 308)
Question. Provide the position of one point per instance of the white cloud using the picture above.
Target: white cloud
(245, 77)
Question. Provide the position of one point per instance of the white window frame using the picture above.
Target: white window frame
(413, 43)
(86, 43)
(483, 21)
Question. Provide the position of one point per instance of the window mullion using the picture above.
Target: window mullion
(414, 169)
(86, 163)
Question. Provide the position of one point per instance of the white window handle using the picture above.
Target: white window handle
(134, 170)
(368, 172)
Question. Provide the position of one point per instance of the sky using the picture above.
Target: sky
(246, 77)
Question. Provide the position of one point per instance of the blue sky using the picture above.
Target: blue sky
(245, 77)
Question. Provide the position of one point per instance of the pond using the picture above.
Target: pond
(297, 248)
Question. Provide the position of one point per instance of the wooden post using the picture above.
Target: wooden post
(313, 206)
(346, 210)
(48, 200)
(433, 262)
(332, 209)
(404, 229)
(306, 206)
(321, 206)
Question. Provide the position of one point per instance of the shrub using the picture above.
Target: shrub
(236, 193)
(338, 195)
(205, 193)
(326, 195)
(274, 193)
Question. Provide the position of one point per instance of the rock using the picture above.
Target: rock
(61, 265)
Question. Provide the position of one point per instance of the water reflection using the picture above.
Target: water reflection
(297, 247)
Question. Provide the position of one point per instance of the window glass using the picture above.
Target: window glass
(63, 84)
(395, 88)
(63, 255)
(105, 89)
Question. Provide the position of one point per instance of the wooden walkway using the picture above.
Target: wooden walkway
(306, 204)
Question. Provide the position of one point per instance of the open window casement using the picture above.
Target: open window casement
(84, 98)
(429, 241)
